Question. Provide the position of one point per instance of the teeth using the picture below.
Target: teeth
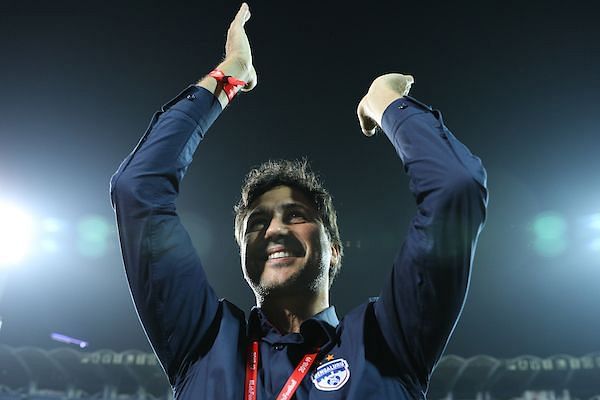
(279, 254)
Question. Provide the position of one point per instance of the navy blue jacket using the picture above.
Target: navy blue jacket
(383, 349)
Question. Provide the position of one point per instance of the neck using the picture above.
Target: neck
(288, 313)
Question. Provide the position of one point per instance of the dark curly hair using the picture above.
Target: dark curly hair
(296, 174)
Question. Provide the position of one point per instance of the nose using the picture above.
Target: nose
(276, 227)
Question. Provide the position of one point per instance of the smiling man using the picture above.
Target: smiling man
(293, 345)
(290, 251)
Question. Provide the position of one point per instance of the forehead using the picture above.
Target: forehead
(280, 196)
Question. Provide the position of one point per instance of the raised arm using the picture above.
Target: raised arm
(421, 302)
(174, 301)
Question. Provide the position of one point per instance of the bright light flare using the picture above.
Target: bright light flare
(16, 233)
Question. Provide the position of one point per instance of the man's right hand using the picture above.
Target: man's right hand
(238, 57)
(237, 48)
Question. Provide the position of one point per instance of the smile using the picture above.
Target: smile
(279, 254)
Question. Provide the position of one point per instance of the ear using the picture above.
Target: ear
(335, 256)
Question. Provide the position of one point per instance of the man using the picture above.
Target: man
(293, 344)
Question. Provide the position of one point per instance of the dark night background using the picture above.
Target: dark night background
(518, 83)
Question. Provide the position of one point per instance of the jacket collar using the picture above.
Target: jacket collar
(317, 331)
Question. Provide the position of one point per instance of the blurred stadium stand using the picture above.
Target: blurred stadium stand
(28, 373)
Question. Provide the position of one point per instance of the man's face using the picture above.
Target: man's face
(285, 248)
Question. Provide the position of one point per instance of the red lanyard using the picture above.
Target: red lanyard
(290, 386)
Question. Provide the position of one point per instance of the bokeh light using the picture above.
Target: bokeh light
(49, 245)
(594, 221)
(549, 229)
(93, 233)
(595, 245)
(52, 225)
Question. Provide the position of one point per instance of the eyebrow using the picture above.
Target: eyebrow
(284, 207)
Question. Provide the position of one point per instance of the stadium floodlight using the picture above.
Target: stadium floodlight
(16, 232)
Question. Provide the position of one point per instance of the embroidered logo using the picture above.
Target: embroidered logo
(331, 375)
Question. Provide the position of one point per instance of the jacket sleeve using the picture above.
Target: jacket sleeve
(423, 298)
(174, 301)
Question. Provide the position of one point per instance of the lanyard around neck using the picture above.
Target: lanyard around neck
(290, 386)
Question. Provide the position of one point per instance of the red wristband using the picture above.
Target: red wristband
(230, 84)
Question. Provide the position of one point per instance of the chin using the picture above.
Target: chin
(281, 282)
(293, 284)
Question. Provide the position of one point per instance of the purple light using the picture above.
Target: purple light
(69, 340)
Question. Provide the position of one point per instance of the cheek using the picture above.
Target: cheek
(248, 254)
(244, 254)
(319, 242)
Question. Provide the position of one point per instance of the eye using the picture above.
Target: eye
(297, 217)
(256, 224)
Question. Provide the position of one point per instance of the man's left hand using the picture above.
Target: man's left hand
(382, 92)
